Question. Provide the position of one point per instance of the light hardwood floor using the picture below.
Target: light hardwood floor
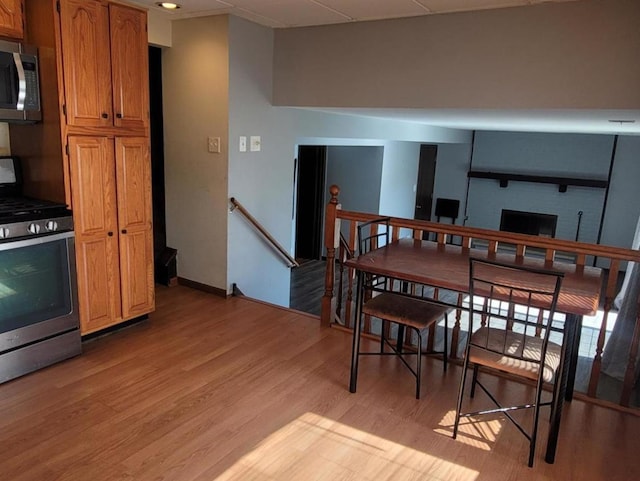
(211, 389)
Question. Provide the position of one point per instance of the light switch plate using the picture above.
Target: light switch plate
(242, 145)
(255, 143)
(213, 144)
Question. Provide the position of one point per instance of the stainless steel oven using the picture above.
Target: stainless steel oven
(39, 322)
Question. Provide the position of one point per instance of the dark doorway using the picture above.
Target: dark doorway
(426, 178)
(157, 149)
(310, 201)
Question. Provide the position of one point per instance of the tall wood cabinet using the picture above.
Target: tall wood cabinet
(111, 182)
(11, 18)
(99, 80)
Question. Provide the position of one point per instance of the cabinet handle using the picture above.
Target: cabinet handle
(124, 231)
(119, 115)
(105, 115)
(110, 234)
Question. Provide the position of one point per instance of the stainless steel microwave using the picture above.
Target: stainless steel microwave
(19, 83)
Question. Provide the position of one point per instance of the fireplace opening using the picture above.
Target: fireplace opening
(530, 223)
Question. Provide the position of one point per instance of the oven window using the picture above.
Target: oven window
(34, 284)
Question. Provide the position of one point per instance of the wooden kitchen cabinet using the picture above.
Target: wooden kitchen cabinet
(111, 182)
(133, 181)
(105, 64)
(94, 136)
(12, 18)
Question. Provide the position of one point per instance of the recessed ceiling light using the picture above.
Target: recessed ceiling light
(168, 5)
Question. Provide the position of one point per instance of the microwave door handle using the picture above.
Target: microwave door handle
(22, 81)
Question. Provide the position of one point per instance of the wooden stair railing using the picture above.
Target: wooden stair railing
(270, 239)
(578, 253)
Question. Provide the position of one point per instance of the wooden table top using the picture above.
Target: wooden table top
(447, 267)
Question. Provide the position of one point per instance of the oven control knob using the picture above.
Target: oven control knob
(34, 228)
(4, 232)
(51, 225)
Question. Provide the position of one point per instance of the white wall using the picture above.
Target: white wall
(550, 55)
(399, 175)
(261, 181)
(158, 29)
(195, 103)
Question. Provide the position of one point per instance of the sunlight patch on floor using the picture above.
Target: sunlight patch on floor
(313, 447)
(481, 434)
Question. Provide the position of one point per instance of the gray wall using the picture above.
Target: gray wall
(553, 55)
(586, 156)
(359, 171)
(261, 181)
(623, 204)
(547, 154)
(452, 165)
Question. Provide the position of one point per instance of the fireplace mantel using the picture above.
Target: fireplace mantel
(562, 182)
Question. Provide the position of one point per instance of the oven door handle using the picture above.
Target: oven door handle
(35, 241)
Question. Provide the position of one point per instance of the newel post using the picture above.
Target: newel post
(331, 237)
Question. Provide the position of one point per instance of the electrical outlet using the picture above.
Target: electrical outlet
(213, 143)
(243, 143)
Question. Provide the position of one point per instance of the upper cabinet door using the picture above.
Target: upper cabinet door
(129, 66)
(12, 18)
(87, 65)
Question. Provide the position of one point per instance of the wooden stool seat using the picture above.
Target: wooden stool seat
(409, 311)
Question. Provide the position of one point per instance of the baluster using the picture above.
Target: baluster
(466, 242)
(608, 302)
(540, 323)
(343, 255)
(395, 234)
(483, 317)
(549, 255)
(417, 234)
(520, 250)
(511, 312)
(352, 274)
(455, 332)
(442, 238)
(492, 248)
(581, 259)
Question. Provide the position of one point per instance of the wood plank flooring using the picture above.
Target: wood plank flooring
(212, 389)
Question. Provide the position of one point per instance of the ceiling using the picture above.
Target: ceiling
(300, 13)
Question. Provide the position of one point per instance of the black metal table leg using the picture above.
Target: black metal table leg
(564, 381)
(355, 349)
(576, 321)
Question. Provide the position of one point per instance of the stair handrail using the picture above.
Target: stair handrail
(271, 240)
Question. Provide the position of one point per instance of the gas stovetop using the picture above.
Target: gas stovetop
(26, 217)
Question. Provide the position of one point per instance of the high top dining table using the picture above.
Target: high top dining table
(446, 266)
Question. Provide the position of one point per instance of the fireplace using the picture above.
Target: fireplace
(530, 223)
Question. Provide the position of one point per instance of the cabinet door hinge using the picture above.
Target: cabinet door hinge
(58, 6)
(66, 148)
(64, 110)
